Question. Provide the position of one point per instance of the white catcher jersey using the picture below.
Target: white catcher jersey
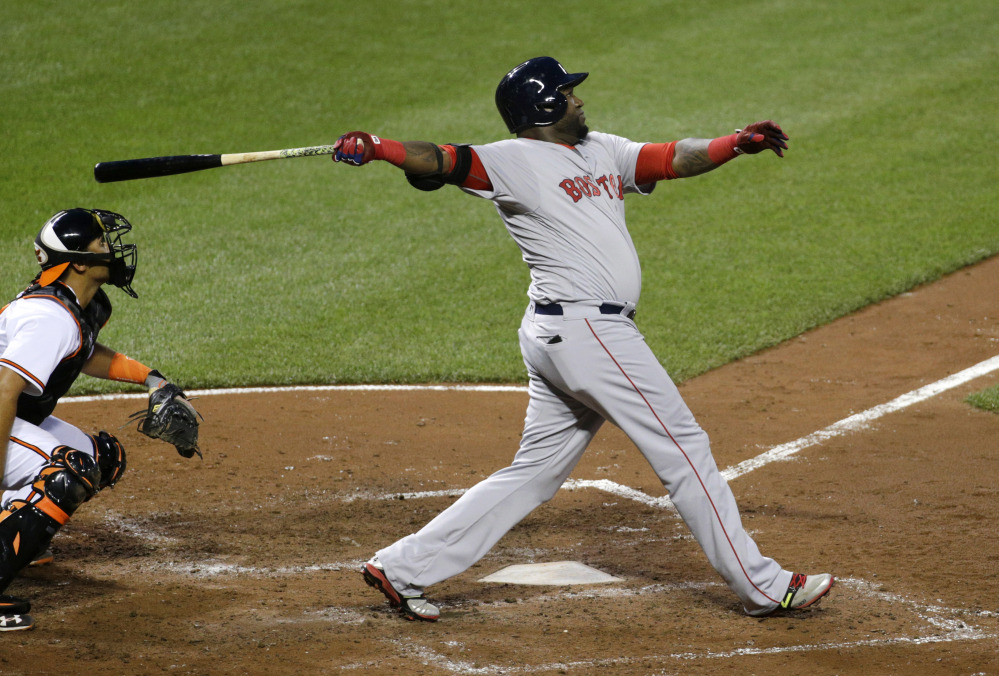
(35, 335)
(564, 206)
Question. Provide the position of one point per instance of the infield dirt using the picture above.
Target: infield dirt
(246, 562)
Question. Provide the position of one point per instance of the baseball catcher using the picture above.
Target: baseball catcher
(48, 337)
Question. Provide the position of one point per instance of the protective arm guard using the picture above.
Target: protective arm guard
(437, 180)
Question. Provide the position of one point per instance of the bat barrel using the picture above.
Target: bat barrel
(148, 167)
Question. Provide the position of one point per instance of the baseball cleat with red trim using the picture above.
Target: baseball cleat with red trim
(804, 591)
(415, 607)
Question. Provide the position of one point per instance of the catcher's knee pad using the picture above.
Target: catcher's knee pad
(69, 479)
(110, 456)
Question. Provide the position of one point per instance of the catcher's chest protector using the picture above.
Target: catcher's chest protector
(91, 320)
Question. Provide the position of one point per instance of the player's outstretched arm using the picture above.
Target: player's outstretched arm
(107, 364)
(99, 363)
(169, 416)
(414, 157)
(695, 156)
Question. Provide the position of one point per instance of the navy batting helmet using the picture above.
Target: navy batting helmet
(529, 96)
(65, 237)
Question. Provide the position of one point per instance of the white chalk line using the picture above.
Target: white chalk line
(570, 484)
(853, 423)
(416, 495)
(949, 623)
(608, 486)
(938, 617)
(208, 569)
(306, 388)
(861, 420)
(942, 625)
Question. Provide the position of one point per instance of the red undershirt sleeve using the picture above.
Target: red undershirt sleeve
(477, 178)
(655, 163)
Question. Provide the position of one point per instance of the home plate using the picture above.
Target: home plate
(555, 573)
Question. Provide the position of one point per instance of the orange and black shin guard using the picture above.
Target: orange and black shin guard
(70, 479)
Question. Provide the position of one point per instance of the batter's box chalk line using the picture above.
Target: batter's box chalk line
(934, 624)
(853, 423)
(860, 421)
(783, 452)
(307, 388)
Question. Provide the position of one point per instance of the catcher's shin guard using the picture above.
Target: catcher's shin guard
(110, 456)
(69, 479)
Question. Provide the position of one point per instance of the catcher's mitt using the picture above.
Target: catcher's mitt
(170, 417)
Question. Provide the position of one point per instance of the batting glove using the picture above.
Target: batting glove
(355, 147)
(760, 136)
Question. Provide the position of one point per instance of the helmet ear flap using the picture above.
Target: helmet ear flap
(553, 106)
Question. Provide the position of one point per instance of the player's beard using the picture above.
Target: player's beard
(573, 127)
(579, 125)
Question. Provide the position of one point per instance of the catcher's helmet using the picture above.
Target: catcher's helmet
(529, 96)
(65, 237)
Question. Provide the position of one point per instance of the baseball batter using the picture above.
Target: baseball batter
(48, 336)
(560, 190)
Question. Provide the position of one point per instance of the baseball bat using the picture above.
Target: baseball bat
(148, 167)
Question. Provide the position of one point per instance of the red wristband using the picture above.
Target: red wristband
(723, 149)
(391, 151)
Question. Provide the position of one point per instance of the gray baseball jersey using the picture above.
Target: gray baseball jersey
(587, 362)
(572, 230)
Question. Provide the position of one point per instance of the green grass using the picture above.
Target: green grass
(987, 400)
(301, 271)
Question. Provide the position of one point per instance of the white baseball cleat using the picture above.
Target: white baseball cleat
(804, 591)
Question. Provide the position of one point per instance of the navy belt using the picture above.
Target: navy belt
(605, 309)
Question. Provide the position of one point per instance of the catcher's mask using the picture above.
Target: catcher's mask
(529, 96)
(65, 237)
